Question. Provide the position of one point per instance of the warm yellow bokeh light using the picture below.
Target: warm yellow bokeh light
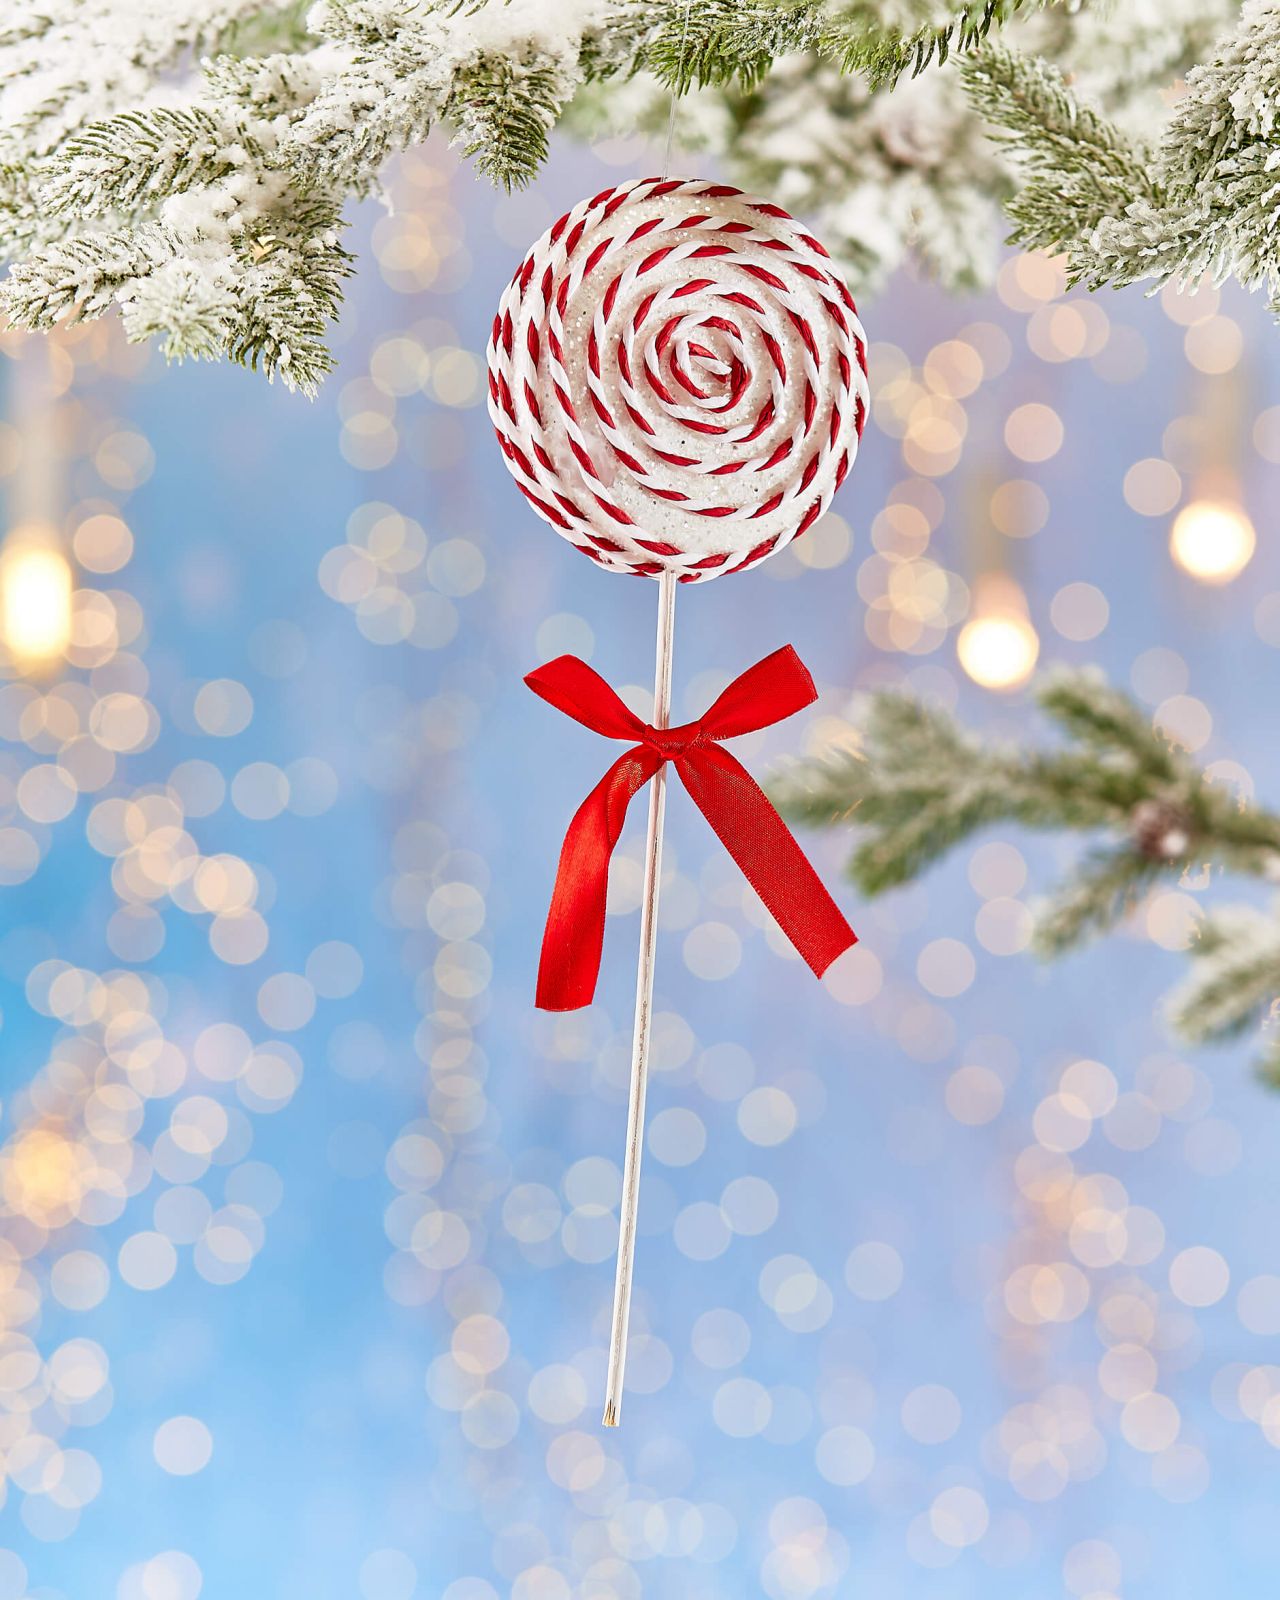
(999, 649)
(35, 603)
(42, 1177)
(1213, 540)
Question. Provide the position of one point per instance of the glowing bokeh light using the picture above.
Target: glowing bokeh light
(35, 604)
(1212, 540)
(998, 647)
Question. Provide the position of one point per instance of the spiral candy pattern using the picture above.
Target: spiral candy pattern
(677, 376)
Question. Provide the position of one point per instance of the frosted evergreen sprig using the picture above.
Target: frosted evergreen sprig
(886, 55)
(1199, 201)
(1235, 975)
(1078, 168)
(919, 785)
(723, 41)
(503, 113)
(183, 138)
(79, 278)
(134, 159)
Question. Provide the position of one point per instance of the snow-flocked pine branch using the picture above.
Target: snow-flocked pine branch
(920, 785)
(190, 163)
(1200, 201)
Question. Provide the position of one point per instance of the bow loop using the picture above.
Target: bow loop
(773, 690)
(578, 690)
(722, 789)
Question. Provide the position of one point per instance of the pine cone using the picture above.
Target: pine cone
(1160, 829)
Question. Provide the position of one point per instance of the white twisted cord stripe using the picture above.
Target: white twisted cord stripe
(677, 376)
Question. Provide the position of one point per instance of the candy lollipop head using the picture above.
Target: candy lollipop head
(677, 376)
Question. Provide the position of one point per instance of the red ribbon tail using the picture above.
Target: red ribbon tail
(772, 862)
(574, 936)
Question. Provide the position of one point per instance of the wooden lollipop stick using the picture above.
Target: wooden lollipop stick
(644, 1012)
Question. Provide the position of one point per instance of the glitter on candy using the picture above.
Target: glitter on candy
(677, 376)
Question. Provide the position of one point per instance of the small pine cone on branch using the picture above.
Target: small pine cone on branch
(1160, 829)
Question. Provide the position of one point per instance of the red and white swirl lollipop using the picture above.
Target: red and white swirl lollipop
(678, 380)
(677, 376)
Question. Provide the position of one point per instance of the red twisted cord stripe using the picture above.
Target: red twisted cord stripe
(677, 377)
(722, 789)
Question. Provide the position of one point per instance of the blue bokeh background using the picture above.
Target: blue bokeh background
(352, 1454)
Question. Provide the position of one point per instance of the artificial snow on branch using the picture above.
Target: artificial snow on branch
(1201, 203)
(722, 41)
(1078, 168)
(920, 785)
(189, 162)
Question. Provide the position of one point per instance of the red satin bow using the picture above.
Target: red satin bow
(722, 789)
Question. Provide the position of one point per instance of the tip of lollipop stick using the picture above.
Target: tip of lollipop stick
(611, 1414)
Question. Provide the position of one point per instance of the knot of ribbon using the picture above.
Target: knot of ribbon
(722, 789)
(669, 743)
